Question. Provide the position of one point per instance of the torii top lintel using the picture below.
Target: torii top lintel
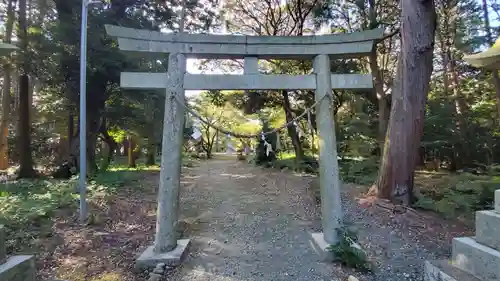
(350, 45)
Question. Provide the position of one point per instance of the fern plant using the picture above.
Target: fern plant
(348, 253)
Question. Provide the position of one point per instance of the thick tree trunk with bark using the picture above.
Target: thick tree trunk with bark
(151, 155)
(292, 131)
(24, 137)
(110, 142)
(6, 92)
(418, 25)
(130, 152)
(451, 89)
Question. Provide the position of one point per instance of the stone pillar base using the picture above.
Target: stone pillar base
(149, 259)
(321, 247)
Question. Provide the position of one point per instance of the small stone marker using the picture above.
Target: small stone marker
(3, 251)
(15, 268)
(18, 268)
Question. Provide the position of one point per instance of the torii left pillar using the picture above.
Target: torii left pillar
(167, 248)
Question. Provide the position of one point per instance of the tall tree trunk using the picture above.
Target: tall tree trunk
(418, 26)
(110, 148)
(460, 111)
(151, 155)
(130, 152)
(6, 94)
(217, 141)
(292, 131)
(24, 138)
(371, 21)
(383, 105)
(69, 68)
(111, 143)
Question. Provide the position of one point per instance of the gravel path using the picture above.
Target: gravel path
(248, 223)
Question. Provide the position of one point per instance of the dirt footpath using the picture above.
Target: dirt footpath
(246, 223)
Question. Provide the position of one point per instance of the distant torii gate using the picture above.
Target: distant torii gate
(167, 249)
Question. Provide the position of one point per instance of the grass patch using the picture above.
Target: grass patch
(455, 195)
(359, 171)
(308, 164)
(27, 207)
(451, 195)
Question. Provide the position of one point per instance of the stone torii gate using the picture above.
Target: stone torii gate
(167, 249)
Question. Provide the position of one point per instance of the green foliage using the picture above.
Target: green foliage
(457, 195)
(118, 134)
(346, 251)
(218, 112)
(26, 201)
(308, 163)
(27, 207)
(359, 171)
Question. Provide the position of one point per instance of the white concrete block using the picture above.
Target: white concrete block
(476, 259)
(488, 229)
(442, 270)
(497, 200)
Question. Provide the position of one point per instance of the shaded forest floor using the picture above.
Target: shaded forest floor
(247, 223)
